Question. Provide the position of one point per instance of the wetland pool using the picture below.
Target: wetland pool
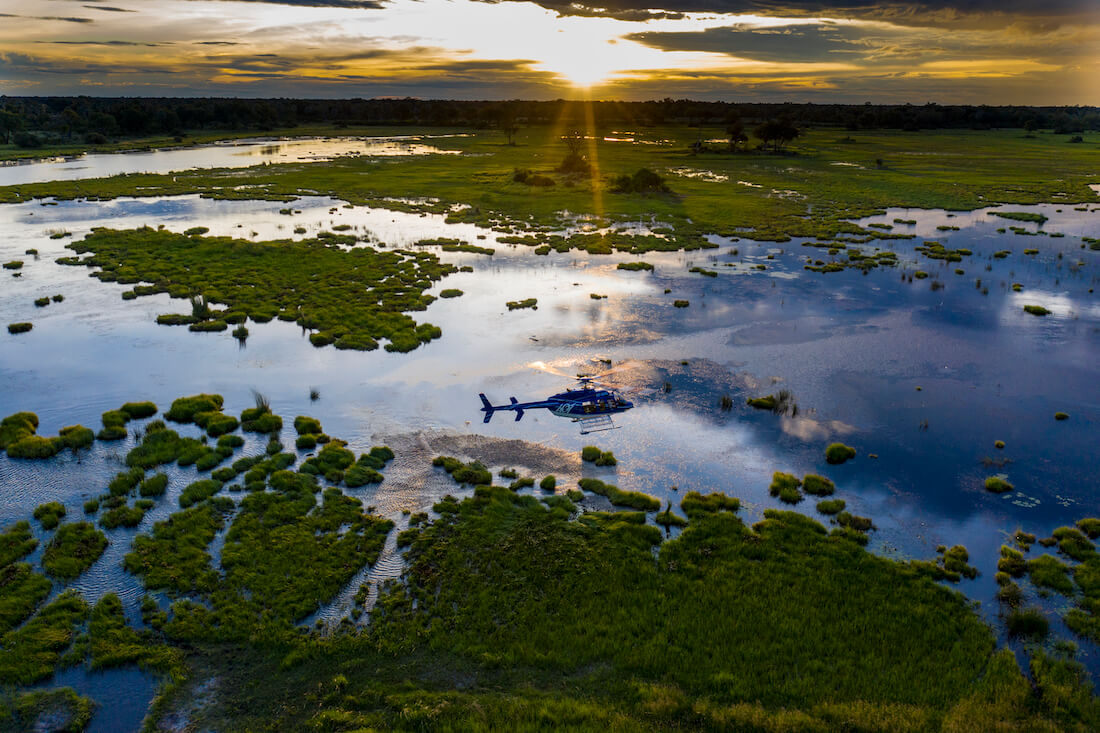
(242, 153)
(924, 373)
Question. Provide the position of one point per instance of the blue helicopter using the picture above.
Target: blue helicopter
(590, 406)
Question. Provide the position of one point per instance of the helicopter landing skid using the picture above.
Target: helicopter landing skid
(596, 424)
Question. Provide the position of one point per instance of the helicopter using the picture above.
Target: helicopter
(587, 403)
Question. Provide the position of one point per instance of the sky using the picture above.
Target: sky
(845, 51)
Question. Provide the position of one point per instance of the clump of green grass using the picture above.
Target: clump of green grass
(1011, 562)
(125, 516)
(304, 425)
(681, 303)
(21, 327)
(73, 549)
(525, 482)
(999, 444)
(694, 503)
(367, 295)
(13, 265)
(852, 521)
(31, 652)
(785, 486)
(634, 266)
(1024, 540)
(1073, 543)
(618, 497)
(1028, 623)
(1020, 216)
(91, 506)
(839, 453)
(817, 485)
(1090, 526)
(548, 483)
(767, 402)
(41, 302)
(1036, 310)
(998, 485)
(113, 643)
(450, 293)
(591, 453)
(60, 709)
(49, 514)
(155, 485)
(831, 506)
(473, 473)
(174, 555)
(667, 519)
(1061, 416)
(23, 589)
(16, 542)
(531, 303)
(185, 409)
(1046, 571)
(508, 473)
(198, 491)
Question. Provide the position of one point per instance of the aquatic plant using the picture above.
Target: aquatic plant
(91, 506)
(113, 643)
(839, 453)
(13, 265)
(1020, 216)
(606, 458)
(240, 333)
(174, 555)
(525, 482)
(41, 302)
(1036, 310)
(15, 542)
(521, 304)
(1011, 562)
(634, 266)
(49, 514)
(450, 293)
(1090, 526)
(548, 483)
(681, 303)
(859, 524)
(998, 485)
(307, 425)
(999, 444)
(1061, 416)
(590, 453)
(360, 475)
(75, 546)
(21, 327)
(668, 519)
(155, 485)
(785, 483)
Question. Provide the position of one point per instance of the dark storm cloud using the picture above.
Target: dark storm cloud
(104, 43)
(359, 4)
(110, 9)
(953, 13)
(792, 43)
(47, 17)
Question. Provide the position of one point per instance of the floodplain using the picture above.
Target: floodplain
(874, 291)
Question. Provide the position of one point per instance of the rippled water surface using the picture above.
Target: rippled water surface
(923, 373)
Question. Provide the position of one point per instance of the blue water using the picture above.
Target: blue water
(852, 348)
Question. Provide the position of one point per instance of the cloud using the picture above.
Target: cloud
(358, 4)
(47, 17)
(104, 43)
(783, 44)
(110, 9)
(935, 13)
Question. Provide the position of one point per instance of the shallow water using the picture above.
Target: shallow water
(229, 154)
(852, 348)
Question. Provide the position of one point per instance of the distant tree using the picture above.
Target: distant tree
(506, 122)
(735, 130)
(10, 122)
(575, 161)
(776, 132)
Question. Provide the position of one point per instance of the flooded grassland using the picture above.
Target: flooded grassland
(860, 390)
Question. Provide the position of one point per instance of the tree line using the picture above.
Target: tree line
(36, 120)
